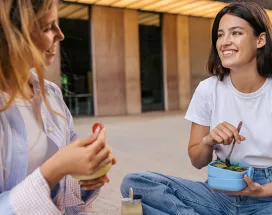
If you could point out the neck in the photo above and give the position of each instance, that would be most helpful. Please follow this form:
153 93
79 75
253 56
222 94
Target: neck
28 89
246 79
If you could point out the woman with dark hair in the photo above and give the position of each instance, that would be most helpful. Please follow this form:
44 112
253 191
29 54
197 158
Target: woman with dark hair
240 89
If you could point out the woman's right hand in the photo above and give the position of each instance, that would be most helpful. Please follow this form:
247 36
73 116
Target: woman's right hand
83 156
223 133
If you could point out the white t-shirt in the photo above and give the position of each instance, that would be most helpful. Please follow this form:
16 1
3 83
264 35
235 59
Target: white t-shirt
39 148
215 102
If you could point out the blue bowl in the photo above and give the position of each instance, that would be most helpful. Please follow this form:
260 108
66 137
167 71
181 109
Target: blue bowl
223 179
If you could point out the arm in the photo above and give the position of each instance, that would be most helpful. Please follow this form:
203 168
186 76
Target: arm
29 197
69 196
75 199
73 194
267 190
202 141
200 152
199 113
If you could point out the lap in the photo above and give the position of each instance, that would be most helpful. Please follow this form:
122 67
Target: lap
155 188
192 194
255 206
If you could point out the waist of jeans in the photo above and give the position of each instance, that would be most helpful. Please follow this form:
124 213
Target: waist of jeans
265 172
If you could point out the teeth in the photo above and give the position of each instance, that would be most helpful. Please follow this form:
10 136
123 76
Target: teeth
226 53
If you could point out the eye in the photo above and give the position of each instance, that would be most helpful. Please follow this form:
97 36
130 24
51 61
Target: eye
236 33
220 35
48 28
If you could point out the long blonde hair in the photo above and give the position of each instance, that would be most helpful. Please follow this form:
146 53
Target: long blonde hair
19 20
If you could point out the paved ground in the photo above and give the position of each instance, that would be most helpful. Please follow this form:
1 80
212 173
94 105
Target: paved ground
146 142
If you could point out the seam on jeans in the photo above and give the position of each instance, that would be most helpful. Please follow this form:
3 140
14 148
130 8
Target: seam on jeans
201 203
175 204
188 199
164 192
235 204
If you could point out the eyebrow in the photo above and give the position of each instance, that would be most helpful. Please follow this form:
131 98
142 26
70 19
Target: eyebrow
51 21
232 28
46 23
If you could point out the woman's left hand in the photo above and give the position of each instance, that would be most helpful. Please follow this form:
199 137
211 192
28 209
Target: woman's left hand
252 190
96 183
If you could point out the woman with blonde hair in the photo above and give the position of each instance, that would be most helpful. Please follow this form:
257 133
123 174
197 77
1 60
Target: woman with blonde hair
36 128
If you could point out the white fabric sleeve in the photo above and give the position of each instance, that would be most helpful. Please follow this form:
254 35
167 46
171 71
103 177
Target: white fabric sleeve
199 110
32 196
73 198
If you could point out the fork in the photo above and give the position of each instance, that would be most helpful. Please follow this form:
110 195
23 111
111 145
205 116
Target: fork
227 161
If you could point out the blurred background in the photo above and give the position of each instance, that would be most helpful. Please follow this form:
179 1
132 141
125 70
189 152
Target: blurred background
123 57
133 66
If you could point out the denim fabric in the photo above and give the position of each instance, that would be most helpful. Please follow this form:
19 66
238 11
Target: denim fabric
171 195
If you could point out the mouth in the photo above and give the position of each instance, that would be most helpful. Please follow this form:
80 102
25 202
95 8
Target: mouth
228 53
51 51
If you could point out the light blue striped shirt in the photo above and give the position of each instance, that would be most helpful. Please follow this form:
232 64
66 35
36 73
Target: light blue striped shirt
22 194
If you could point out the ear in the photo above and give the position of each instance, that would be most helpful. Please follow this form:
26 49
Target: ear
261 40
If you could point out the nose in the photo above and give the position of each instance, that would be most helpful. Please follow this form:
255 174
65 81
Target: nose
59 35
226 41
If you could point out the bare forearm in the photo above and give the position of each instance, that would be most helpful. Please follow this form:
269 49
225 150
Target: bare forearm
52 172
201 154
267 190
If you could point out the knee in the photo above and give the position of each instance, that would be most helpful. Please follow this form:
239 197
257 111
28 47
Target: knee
129 181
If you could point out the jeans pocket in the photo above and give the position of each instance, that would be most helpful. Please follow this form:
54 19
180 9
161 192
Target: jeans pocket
262 180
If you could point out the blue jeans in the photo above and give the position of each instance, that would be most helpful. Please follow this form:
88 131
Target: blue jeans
163 195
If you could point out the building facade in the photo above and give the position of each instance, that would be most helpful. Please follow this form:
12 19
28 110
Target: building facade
124 60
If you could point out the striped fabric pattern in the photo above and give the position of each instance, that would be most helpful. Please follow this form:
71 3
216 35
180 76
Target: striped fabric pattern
22 194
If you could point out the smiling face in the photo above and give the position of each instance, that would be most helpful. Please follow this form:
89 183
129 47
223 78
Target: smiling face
49 35
236 44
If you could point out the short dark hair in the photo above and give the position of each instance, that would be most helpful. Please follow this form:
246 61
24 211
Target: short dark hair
258 19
